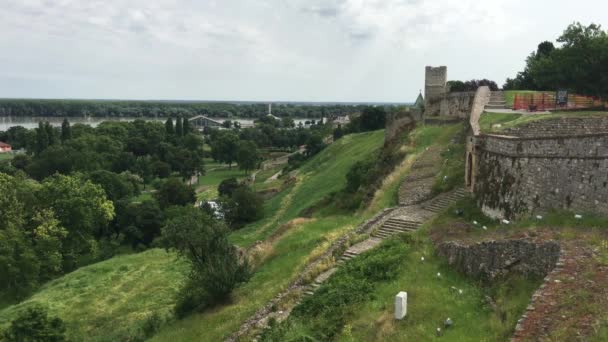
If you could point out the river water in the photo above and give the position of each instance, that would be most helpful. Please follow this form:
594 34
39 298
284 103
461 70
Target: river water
7 122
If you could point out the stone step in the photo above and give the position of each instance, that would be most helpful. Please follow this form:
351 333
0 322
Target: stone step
382 235
401 222
395 231
423 165
399 228
420 176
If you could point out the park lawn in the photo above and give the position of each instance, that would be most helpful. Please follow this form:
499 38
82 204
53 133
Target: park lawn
207 184
6 156
110 300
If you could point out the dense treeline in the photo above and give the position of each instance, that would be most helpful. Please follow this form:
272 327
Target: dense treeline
99 108
579 64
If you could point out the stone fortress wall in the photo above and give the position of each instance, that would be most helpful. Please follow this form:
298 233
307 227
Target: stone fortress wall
547 164
438 101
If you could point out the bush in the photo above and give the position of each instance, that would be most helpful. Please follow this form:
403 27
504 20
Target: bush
34 324
216 268
242 207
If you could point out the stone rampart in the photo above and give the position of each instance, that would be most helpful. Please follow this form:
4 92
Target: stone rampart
489 260
400 122
561 126
511 176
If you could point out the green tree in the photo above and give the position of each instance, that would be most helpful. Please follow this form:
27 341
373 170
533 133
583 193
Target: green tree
227 187
224 147
42 138
179 127
66 130
186 127
314 144
243 206
51 134
247 155
35 325
338 132
115 186
216 267
169 130
175 192
81 207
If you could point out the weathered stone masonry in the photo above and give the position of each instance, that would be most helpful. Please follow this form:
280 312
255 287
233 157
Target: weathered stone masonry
512 175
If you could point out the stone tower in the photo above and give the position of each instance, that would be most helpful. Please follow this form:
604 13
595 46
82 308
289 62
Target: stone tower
434 89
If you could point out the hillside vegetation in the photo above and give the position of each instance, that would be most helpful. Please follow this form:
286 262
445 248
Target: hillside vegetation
111 300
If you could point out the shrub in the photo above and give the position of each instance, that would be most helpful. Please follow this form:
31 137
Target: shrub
215 265
34 324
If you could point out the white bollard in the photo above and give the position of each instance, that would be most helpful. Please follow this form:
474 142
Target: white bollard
400 305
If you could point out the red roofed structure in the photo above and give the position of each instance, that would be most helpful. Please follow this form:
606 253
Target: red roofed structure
4 147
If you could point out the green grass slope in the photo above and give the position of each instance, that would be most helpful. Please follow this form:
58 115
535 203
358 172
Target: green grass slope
290 252
109 301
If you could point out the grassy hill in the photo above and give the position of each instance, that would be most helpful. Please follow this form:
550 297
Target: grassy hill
111 300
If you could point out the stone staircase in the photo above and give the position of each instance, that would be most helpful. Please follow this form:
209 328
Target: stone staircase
497 101
418 184
443 201
395 226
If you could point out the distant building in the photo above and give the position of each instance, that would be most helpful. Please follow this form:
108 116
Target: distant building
4 147
341 120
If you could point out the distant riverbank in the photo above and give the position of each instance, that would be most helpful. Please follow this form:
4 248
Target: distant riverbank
7 122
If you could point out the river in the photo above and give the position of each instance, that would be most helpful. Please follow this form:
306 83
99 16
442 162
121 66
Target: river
7 122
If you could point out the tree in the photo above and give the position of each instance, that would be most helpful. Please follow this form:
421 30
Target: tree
224 147
579 64
174 192
50 132
66 130
42 138
287 122
81 207
35 324
314 144
247 155
169 130
141 222
216 268
186 127
227 124
227 187
115 186
372 118
243 206
338 132
179 127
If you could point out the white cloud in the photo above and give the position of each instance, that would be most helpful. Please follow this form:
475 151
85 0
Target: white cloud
349 50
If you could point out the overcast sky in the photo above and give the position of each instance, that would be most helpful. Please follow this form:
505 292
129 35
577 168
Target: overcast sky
292 50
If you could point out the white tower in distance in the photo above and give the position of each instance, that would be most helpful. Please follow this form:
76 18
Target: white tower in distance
270 109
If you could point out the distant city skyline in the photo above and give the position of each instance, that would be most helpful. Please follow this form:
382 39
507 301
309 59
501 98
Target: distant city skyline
268 51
